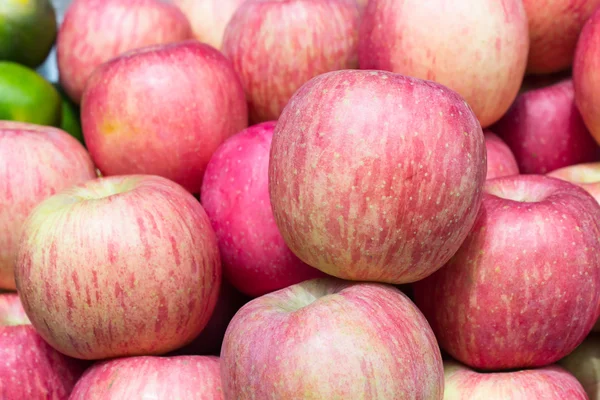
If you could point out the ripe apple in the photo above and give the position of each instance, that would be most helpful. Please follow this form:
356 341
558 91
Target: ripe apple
548 383
500 159
554 26
144 377
35 162
524 288
235 195
586 175
331 339
376 176
119 266
209 18
584 363
94 31
475 47
545 131
30 368
162 110
586 67
276 46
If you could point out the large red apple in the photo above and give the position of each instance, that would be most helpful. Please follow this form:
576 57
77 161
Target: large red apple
548 383
545 131
30 368
162 110
376 176
584 363
180 377
500 159
94 31
586 70
524 288
475 47
235 195
119 266
586 175
554 26
35 162
276 46
331 339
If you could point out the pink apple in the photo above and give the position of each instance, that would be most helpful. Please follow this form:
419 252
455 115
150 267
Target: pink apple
331 339
181 377
584 363
554 26
545 131
35 162
500 159
376 176
119 266
586 175
235 195
94 31
524 288
586 67
30 368
209 18
548 383
276 46
475 47
162 110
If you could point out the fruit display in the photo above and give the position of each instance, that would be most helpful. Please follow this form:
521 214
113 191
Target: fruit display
299 200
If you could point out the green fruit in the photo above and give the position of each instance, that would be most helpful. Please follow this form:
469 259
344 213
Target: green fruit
27 31
27 97
71 121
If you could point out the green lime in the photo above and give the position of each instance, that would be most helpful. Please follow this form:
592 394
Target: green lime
27 31
70 121
27 97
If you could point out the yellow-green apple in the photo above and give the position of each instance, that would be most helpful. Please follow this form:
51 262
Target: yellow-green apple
94 31
30 368
376 176
586 67
331 339
524 288
475 47
500 159
35 163
119 266
585 175
162 110
549 383
276 46
147 377
584 364
545 131
554 26
209 18
235 195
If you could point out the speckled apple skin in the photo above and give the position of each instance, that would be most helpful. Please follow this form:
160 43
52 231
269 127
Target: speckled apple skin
586 176
500 159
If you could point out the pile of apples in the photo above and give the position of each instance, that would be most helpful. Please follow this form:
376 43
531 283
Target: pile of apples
309 199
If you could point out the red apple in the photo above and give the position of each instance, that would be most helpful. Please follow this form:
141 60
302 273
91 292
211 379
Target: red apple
500 159
235 195
35 162
30 368
162 110
276 46
548 383
330 339
181 377
524 288
119 266
554 26
475 47
585 175
209 18
94 31
584 363
586 67
376 176
545 131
